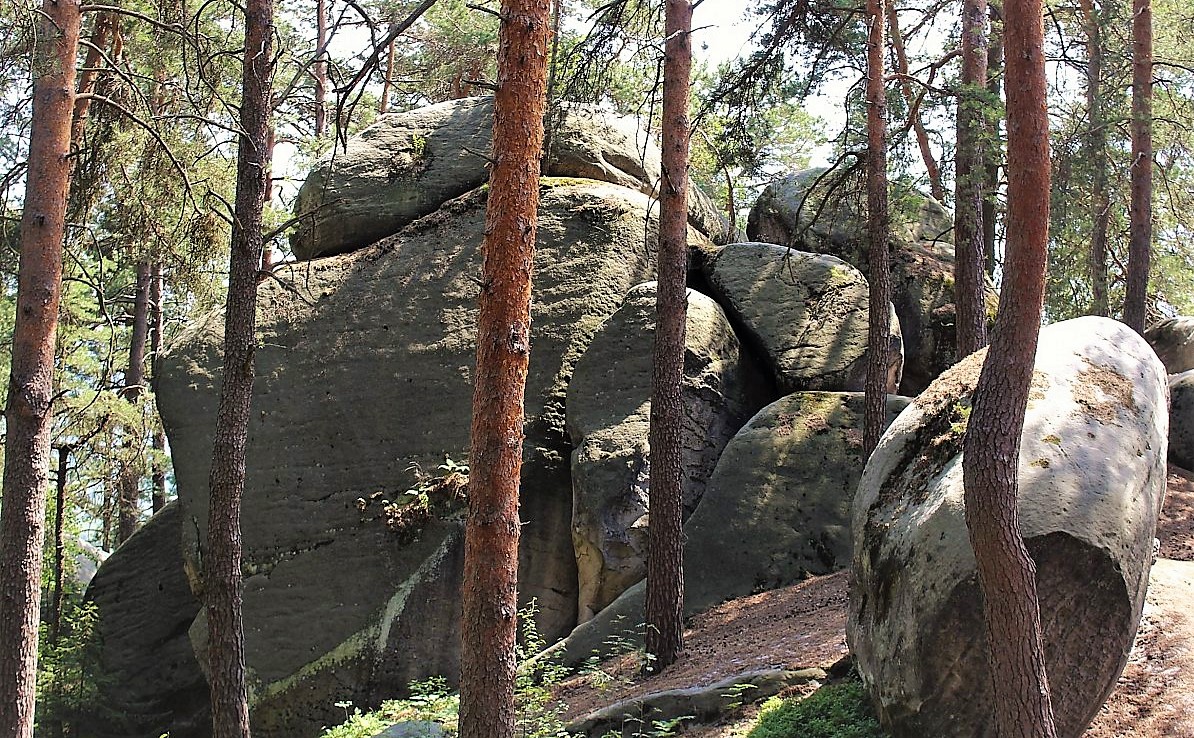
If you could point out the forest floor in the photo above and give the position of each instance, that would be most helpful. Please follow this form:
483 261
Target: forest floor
803 626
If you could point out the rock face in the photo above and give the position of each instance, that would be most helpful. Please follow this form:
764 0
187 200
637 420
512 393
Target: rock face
1181 419
825 217
144 602
1173 340
363 369
806 312
1092 477
406 165
609 410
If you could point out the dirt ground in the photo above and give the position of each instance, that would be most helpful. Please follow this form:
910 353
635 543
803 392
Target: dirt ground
804 626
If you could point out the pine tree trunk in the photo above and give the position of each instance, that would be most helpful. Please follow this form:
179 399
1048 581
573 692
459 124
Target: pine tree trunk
101 32
910 98
28 411
387 84
1141 226
665 550
134 382
158 472
991 152
59 543
321 67
222 560
968 206
489 590
991 449
878 227
1100 206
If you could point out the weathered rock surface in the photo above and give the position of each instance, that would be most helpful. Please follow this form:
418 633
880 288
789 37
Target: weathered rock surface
364 367
609 409
776 510
150 680
1092 478
406 165
1173 340
922 256
1181 419
807 313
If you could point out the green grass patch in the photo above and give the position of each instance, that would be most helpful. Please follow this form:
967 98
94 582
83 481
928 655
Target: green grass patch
838 710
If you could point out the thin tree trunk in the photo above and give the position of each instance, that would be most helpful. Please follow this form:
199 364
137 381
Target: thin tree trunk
991 152
158 470
878 227
1006 573
665 550
1141 226
388 83
130 479
59 544
28 411
489 591
910 97
968 206
321 67
222 578
1100 205
101 33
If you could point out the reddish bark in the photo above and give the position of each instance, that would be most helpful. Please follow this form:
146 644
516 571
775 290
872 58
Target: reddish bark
320 70
222 579
878 233
1006 573
665 548
1141 226
101 33
489 590
969 191
1100 205
991 153
28 411
918 127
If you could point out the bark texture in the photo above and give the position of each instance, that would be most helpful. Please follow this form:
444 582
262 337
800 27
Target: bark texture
222 580
970 180
489 590
1006 572
1096 141
665 549
320 69
1141 227
992 154
878 227
28 411
134 383
913 100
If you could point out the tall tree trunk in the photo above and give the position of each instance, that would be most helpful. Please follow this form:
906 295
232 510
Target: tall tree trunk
158 469
103 28
1007 575
321 67
665 549
968 206
28 411
910 97
387 83
222 578
489 590
991 152
56 596
1141 226
134 382
1100 206
878 227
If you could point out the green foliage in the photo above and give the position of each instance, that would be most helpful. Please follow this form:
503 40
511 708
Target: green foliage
836 710
67 686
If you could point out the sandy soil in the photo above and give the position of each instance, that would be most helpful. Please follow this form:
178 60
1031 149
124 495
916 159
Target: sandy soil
804 626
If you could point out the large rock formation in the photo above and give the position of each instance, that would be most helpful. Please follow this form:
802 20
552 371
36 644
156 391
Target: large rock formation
406 165
1173 340
807 313
808 212
1092 478
144 605
1181 419
363 369
609 409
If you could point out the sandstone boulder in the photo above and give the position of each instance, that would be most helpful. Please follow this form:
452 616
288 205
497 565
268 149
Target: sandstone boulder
609 408
809 212
1091 480
364 366
406 165
149 680
1181 419
1173 340
806 313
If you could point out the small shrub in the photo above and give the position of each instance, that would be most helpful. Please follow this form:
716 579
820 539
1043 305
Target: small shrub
836 710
